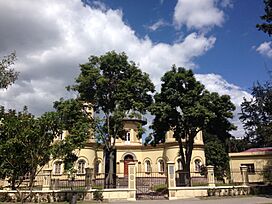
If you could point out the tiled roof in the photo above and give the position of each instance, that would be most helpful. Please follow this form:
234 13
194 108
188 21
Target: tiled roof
264 149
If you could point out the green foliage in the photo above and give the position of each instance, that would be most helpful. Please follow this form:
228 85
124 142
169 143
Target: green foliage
186 108
98 195
239 145
28 143
267 17
116 88
216 155
7 75
160 188
78 124
256 116
24 142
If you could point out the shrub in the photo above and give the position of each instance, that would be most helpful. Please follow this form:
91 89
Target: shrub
159 188
98 195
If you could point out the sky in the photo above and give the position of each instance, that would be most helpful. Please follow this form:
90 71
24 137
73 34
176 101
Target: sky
217 39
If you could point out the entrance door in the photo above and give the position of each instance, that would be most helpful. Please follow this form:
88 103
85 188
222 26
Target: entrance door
127 159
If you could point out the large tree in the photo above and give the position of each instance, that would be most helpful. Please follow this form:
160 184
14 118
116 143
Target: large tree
186 108
7 74
216 155
27 143
116 88
267 17
256 115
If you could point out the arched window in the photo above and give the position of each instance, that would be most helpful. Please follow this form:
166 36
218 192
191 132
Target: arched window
179 164
97 167
127 137
81 166
197 165
161 165
57 167
147 166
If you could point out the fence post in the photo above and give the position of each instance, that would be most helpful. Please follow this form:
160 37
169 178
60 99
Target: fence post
210 175
244 175
7 185
46 179
132 181
88 177
171 180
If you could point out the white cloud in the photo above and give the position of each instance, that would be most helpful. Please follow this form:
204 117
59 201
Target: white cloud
155 26
198 14
52 38
226 3
265 49
216 83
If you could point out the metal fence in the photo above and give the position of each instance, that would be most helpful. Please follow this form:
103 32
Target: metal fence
144 179
151 185
119 181
66 182
190 179
257 176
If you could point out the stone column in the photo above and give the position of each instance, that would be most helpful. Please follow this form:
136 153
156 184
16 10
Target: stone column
46 180
210 176
132 181
171 180
244 175
6 184
88 178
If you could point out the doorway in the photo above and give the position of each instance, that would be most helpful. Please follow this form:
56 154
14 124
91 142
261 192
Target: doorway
128 158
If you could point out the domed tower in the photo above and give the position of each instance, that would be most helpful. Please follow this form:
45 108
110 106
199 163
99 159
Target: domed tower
132 127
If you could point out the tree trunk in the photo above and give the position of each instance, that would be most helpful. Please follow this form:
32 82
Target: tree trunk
110 168
13 181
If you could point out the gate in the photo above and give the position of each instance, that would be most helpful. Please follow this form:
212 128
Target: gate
151 186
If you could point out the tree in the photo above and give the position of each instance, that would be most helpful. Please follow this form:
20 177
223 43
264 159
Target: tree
28 143
186 108
7 75
239 144
216 155
116 89
267 17
256 115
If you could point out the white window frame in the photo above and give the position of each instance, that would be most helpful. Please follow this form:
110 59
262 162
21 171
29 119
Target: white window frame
81 164
98 167
198 164
179 163
148 166
58 167
128 137
161 165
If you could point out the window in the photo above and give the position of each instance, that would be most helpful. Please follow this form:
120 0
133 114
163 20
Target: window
161 165
250 168
57 167
147 166
97 167
81 167
197 165
59 137
128 137
179 165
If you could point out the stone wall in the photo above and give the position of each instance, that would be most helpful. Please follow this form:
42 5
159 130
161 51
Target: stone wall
61 196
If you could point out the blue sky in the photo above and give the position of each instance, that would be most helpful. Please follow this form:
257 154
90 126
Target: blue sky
215 38
233 55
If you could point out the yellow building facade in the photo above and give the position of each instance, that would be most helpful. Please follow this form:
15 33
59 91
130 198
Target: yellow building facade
147 158
258 162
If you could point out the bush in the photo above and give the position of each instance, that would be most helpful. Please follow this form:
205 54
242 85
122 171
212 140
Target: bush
98 195
159 188
4 197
